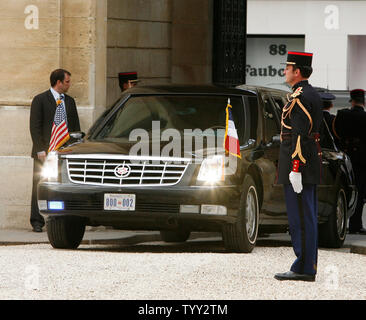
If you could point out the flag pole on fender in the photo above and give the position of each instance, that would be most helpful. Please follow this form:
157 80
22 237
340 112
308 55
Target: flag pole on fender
231 141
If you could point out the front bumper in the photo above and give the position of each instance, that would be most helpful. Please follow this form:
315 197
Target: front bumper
156 208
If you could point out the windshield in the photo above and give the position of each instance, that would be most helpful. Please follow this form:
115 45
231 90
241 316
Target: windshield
186 114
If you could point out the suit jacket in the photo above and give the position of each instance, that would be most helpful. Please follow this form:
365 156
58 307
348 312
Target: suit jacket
300 125
349 127
42 113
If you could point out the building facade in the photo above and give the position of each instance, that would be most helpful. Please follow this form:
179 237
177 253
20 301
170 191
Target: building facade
335 31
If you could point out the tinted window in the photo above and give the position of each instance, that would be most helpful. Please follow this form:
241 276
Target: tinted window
253 110
272 125
178 112
326 139
279 104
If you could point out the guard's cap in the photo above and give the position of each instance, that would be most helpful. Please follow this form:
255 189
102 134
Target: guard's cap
123 77
327 99
300 59
357 95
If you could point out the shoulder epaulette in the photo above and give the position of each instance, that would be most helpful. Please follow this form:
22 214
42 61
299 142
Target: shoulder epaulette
297 92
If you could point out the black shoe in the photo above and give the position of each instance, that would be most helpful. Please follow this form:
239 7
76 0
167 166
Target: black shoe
289 275
37 229
360 231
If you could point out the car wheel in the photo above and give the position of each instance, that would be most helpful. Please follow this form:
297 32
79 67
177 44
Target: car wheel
242 235
65 232
333 232
179 235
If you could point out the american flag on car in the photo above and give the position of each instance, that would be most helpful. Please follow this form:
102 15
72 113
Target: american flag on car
60 132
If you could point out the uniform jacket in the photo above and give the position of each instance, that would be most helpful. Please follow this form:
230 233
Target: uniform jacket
349 126
42 113
300 125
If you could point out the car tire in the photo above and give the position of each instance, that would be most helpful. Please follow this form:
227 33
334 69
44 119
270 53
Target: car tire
179 235
333 232
242 236
65 232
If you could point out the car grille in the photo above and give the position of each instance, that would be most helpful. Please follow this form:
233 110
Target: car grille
125 171
97 205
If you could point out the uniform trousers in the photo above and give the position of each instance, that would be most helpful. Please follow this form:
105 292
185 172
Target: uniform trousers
302 213
36 219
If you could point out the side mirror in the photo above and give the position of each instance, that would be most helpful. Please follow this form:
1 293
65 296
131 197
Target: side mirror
275 141
77 135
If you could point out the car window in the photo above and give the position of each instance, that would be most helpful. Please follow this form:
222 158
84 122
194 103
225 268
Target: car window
279 103
326 138
180 112
253 114
271 120
101 117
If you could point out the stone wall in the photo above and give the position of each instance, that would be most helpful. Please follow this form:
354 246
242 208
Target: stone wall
36 38
29 48
163 40
192 31
138 39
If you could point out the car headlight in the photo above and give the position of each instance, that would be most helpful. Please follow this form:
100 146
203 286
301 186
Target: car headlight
212 169
50 167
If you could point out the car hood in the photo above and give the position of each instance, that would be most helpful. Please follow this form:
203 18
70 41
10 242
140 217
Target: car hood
113 148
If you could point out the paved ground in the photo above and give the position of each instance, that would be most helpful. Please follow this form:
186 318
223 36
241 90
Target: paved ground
199 269
102 235
131 265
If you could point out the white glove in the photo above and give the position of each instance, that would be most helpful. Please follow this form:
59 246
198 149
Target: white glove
295 179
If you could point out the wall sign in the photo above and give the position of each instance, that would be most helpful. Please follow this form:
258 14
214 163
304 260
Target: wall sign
264 58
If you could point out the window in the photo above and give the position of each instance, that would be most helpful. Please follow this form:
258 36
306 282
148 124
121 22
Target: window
279 103
180 112
271 119
253 116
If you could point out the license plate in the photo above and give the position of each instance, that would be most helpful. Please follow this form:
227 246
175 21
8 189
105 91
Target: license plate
116 201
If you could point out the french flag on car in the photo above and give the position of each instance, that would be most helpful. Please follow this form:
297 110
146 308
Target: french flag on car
231 141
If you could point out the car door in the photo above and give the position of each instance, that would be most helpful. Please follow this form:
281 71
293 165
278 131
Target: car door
273 204
331 164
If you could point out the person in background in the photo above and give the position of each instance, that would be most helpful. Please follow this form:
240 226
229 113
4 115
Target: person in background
127 80
349 126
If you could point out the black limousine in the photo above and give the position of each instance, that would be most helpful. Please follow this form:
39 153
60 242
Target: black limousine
154 161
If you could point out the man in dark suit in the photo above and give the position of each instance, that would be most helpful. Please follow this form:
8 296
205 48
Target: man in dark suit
349 126
42 114
299 165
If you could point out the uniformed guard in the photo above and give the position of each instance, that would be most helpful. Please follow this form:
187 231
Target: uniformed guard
326 126
127 80
349 126
299 168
